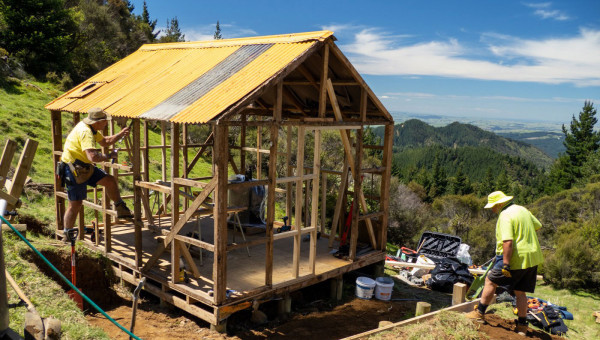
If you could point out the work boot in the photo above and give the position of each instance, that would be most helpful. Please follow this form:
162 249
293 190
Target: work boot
476 315
521 329
122 210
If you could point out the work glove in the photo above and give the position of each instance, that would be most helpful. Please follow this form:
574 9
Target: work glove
506 270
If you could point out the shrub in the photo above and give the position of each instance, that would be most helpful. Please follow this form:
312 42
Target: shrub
574 264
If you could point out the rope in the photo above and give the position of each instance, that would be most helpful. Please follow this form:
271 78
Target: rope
69 282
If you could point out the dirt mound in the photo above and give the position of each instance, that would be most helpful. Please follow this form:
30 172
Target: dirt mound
94 276
35 226
499 328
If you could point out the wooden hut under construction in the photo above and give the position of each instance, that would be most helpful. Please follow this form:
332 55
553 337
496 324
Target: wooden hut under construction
290 112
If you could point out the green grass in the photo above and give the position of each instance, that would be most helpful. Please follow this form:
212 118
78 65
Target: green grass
47 295
446 325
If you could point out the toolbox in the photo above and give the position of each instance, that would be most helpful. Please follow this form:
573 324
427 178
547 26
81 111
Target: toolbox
437 245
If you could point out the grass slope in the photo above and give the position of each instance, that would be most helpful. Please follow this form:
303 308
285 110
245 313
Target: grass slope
22 116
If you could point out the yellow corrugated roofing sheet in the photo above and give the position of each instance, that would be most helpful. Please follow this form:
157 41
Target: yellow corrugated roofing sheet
190 82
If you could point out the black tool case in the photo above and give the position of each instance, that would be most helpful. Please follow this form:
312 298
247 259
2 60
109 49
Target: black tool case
437 245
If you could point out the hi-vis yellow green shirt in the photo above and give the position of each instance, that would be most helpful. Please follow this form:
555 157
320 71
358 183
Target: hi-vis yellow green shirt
80 139
516 223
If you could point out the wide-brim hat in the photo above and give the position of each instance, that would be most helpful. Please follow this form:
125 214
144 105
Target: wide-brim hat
497 197
95 115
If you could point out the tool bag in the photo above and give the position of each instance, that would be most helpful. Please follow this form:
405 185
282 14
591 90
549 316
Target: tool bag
81 171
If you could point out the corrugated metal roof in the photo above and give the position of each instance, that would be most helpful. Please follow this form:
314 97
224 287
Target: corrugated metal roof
190 82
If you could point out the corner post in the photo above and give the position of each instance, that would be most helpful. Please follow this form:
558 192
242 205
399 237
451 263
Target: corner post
59 202
221 155
137 192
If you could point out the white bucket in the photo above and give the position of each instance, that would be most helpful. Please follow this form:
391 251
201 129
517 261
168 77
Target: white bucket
365 287
383 290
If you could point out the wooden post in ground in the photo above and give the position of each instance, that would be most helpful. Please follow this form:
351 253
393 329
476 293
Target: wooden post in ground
459 293
422 308
337 288
221 155
81 214
163 153
107 219
284 306
314 209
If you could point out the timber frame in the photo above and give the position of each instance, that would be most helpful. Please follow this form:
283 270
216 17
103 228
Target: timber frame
287 118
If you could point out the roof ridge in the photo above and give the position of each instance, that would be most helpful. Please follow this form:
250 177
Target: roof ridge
269 39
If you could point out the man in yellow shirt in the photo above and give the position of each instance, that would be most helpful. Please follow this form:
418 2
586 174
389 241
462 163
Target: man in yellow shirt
518 254
79 154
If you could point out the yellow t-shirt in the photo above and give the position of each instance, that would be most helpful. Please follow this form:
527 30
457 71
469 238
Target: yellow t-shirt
518 224
80 139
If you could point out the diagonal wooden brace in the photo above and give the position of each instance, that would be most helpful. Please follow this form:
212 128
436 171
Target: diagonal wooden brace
177 227
347 148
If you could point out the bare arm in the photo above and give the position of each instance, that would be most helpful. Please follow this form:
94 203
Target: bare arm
507 250
110 140
96 156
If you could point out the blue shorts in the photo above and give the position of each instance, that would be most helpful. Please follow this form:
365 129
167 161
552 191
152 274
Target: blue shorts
78 192
521 279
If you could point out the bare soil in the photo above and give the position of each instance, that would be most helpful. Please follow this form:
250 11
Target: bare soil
313 314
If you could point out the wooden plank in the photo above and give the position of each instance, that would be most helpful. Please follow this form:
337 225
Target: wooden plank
323 201
272 184
22 170
195 242
175 245
175 229
388 141
59 203
297 225
154 186
243 143
163 153
314 210
463 308
347 149
289 172
371 216
188 259
220 216
190 182
7 156
323 85
303 178
137 191
338 205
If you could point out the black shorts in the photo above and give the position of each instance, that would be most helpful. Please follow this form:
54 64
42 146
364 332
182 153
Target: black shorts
522 279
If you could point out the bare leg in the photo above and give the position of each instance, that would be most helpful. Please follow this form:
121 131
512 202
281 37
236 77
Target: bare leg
112 189
521 303
488 292
71 213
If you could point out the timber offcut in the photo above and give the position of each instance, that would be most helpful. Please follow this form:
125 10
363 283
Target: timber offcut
280 120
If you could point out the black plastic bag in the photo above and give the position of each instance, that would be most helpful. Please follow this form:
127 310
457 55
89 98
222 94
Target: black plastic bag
447 272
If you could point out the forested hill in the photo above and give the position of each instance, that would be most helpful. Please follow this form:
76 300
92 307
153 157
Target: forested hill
416 134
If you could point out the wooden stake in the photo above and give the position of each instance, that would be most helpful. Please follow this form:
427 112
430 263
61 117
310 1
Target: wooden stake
459 293
137 192
422 308
220 214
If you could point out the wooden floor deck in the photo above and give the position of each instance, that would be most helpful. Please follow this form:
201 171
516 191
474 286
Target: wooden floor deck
245 274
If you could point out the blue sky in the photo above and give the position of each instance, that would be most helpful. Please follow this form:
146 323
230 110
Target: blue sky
497 59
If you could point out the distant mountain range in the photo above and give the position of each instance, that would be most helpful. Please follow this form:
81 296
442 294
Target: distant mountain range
415 133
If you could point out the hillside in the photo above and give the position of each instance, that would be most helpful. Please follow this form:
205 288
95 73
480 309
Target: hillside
417 134
549 142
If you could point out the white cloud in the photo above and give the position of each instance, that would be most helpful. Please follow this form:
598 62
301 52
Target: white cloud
430 96
544 11
573 59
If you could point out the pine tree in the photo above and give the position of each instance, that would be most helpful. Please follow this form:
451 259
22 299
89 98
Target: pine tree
149 30
581 140
218 35
487 185
503 182
172 33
